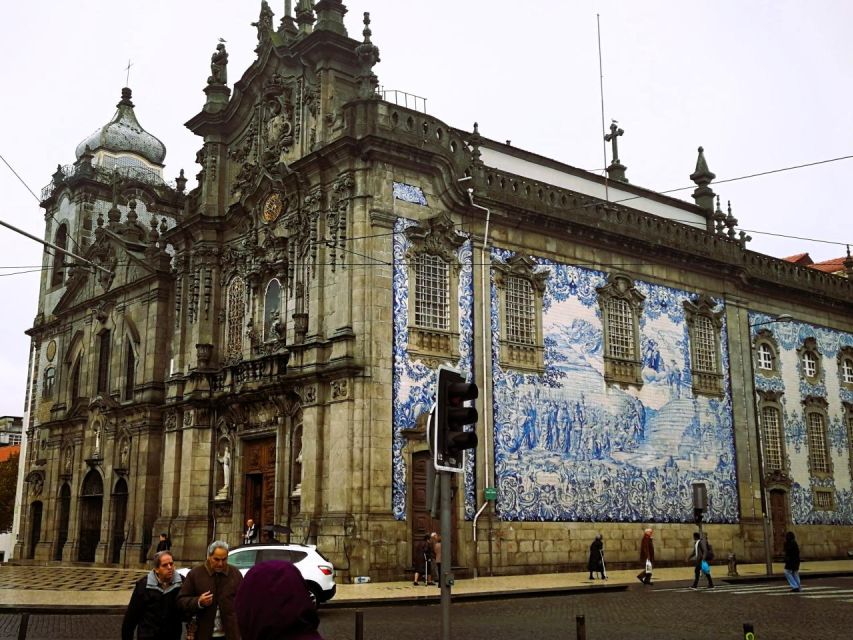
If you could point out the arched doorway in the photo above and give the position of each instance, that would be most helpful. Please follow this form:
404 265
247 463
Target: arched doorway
120 515
36 509
62 521
91 505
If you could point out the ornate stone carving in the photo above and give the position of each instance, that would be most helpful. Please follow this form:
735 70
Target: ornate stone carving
219 66
340 389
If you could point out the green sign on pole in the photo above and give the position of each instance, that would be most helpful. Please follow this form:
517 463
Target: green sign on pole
491 493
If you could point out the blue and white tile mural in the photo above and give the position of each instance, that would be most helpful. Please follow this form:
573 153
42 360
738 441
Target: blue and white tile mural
414 382
794 389
569 447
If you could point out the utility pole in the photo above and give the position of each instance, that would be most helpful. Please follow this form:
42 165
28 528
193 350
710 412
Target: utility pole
446 576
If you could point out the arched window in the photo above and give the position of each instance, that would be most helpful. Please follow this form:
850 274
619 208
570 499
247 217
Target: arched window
272 310
75 379
57 276
520 284
704 325
766 357
104 345
816 436
809 364
621 306
620 327
771 426
432 284
845 367
235 319
810 361
129 372
49 381
847 370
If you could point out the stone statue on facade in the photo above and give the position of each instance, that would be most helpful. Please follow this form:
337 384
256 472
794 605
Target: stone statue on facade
225 461
219 66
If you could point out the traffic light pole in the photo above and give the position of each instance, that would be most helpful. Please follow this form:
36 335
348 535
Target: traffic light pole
446 577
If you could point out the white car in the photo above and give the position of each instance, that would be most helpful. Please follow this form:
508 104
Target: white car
318 572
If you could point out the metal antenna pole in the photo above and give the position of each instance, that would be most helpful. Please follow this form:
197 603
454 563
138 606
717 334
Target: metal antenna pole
601 92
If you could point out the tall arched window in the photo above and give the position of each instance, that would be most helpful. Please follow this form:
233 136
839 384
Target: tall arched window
235 319
766 357
129 372
771 426
272 309
621 307
432 285
75 379
57 276
104 345
818 452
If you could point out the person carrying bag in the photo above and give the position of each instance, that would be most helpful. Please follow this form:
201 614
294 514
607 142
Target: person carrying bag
702 553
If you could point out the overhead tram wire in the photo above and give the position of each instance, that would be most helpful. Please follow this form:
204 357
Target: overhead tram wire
27 187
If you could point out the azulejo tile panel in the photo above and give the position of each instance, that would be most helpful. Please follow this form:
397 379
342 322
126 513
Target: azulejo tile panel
570 447
414 382
794 390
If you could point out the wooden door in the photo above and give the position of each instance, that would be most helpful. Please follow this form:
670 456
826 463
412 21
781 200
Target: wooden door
259 482
779 519
62 521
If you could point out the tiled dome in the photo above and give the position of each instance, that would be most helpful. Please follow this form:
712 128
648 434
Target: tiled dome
124 134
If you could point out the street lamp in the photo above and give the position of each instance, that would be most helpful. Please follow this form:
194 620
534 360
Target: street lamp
765 516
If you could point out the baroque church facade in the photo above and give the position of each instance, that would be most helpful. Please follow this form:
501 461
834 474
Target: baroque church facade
265 345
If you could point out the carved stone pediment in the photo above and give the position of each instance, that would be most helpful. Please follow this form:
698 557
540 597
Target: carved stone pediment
435 236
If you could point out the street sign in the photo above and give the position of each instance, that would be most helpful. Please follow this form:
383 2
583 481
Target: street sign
491 493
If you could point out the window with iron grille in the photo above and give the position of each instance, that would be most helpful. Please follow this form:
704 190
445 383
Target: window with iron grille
620 328
520 312
816 432
771 427
765 357
104 362
823 500
847 370
705 347
234 317
809 364
431 292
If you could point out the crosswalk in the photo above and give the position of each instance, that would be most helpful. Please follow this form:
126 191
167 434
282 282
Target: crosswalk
815 592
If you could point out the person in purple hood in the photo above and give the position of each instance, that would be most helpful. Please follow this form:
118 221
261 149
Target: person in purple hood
273 604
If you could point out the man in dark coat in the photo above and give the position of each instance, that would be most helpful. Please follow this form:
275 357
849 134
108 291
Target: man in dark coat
647 557
700 555
792 561
153 610
596 558
208 593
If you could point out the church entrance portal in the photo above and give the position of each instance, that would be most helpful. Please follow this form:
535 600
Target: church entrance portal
421 521
120 511
35 527
91 505
259 482
779 518
62 521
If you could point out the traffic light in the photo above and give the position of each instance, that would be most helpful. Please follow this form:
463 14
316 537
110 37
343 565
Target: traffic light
451 416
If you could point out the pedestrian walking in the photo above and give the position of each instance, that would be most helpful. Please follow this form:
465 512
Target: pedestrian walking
273 603
792 561
153 611
436 553
425 559
596 558
647 557
165 543
700 558
208 593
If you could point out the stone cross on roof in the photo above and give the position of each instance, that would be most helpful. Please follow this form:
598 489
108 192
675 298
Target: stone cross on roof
615 132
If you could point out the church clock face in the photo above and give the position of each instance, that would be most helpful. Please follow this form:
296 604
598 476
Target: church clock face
273 207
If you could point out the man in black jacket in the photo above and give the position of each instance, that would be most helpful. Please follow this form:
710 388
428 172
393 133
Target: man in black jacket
153 610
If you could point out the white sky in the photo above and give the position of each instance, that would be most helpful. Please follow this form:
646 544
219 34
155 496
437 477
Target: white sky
761 85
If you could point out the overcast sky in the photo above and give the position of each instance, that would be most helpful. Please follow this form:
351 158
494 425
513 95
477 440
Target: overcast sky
761 85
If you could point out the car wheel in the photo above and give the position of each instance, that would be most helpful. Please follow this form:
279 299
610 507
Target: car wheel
314 594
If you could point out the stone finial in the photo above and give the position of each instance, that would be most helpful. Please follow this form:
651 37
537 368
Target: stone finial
702 176
848 264
288 24
58 175
475 142
181 182
719 218
330 16
616 170
731 222
368 56
125 101
305 16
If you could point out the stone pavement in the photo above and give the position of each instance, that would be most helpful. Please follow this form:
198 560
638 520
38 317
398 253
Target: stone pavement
70 588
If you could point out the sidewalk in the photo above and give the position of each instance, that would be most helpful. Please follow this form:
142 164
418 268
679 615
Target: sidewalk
71 588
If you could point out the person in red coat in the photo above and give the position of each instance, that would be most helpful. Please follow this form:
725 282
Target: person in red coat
647 557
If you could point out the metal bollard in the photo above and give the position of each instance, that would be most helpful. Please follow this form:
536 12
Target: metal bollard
733 565
22 628
748 631
581 626
359 624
